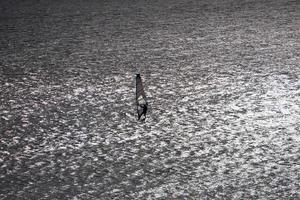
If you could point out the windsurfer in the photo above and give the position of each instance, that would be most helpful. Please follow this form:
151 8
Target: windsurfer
144 109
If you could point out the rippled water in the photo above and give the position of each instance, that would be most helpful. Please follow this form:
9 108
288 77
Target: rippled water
222 80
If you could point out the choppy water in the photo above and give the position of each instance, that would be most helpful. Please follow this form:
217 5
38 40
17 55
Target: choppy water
222 78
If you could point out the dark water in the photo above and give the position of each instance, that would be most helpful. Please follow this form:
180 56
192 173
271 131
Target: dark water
222 79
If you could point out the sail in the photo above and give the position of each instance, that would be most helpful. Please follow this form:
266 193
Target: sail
140 93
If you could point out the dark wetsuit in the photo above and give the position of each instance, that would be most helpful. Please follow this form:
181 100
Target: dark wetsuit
144 111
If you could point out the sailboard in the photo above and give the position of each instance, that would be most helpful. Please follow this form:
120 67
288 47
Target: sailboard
141 99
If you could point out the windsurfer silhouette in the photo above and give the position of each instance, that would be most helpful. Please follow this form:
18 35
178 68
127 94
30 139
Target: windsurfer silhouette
144 108
141 101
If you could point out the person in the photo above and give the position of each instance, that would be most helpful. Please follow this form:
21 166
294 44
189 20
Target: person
144 108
